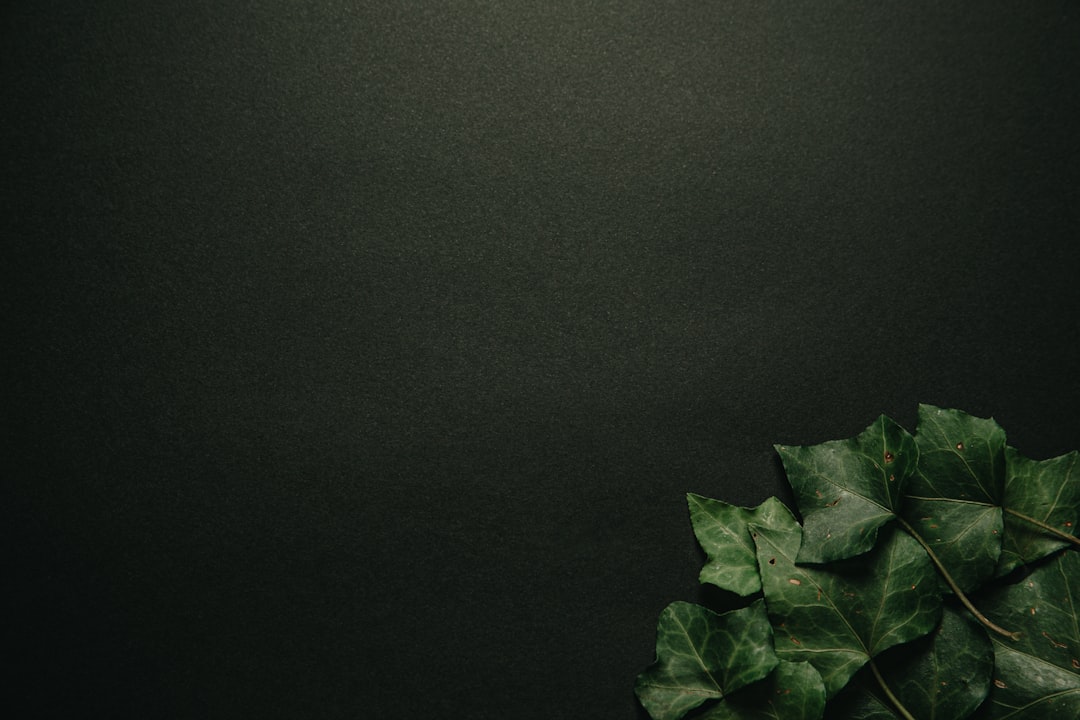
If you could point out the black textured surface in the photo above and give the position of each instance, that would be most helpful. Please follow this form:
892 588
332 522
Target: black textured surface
364 351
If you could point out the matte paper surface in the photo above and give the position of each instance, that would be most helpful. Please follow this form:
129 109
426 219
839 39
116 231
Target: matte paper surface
363 352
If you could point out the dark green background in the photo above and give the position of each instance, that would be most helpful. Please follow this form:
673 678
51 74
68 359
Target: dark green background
364 351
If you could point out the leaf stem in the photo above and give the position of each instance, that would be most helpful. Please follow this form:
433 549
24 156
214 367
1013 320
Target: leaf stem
889 693
1048 528
954 587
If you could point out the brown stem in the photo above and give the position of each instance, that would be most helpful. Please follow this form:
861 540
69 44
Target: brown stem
1048 528
889 693
956 588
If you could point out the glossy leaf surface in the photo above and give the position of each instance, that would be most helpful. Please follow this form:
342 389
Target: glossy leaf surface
703 656
855 616
847 489
793 691
723 532
944 675
1038 676
954 499
1047 491
838 619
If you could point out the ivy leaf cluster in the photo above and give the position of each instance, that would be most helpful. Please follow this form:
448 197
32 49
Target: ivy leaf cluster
931 576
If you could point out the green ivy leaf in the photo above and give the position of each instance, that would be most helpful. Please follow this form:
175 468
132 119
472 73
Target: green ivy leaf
944 675
1038 676
960 456
1047 491
953 501
837 620
793 691
702 656
847 489
724 534
852 613
859 703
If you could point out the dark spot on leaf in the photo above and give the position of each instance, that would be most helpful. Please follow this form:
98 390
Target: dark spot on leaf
1053 642
889 457
833 503
772 561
